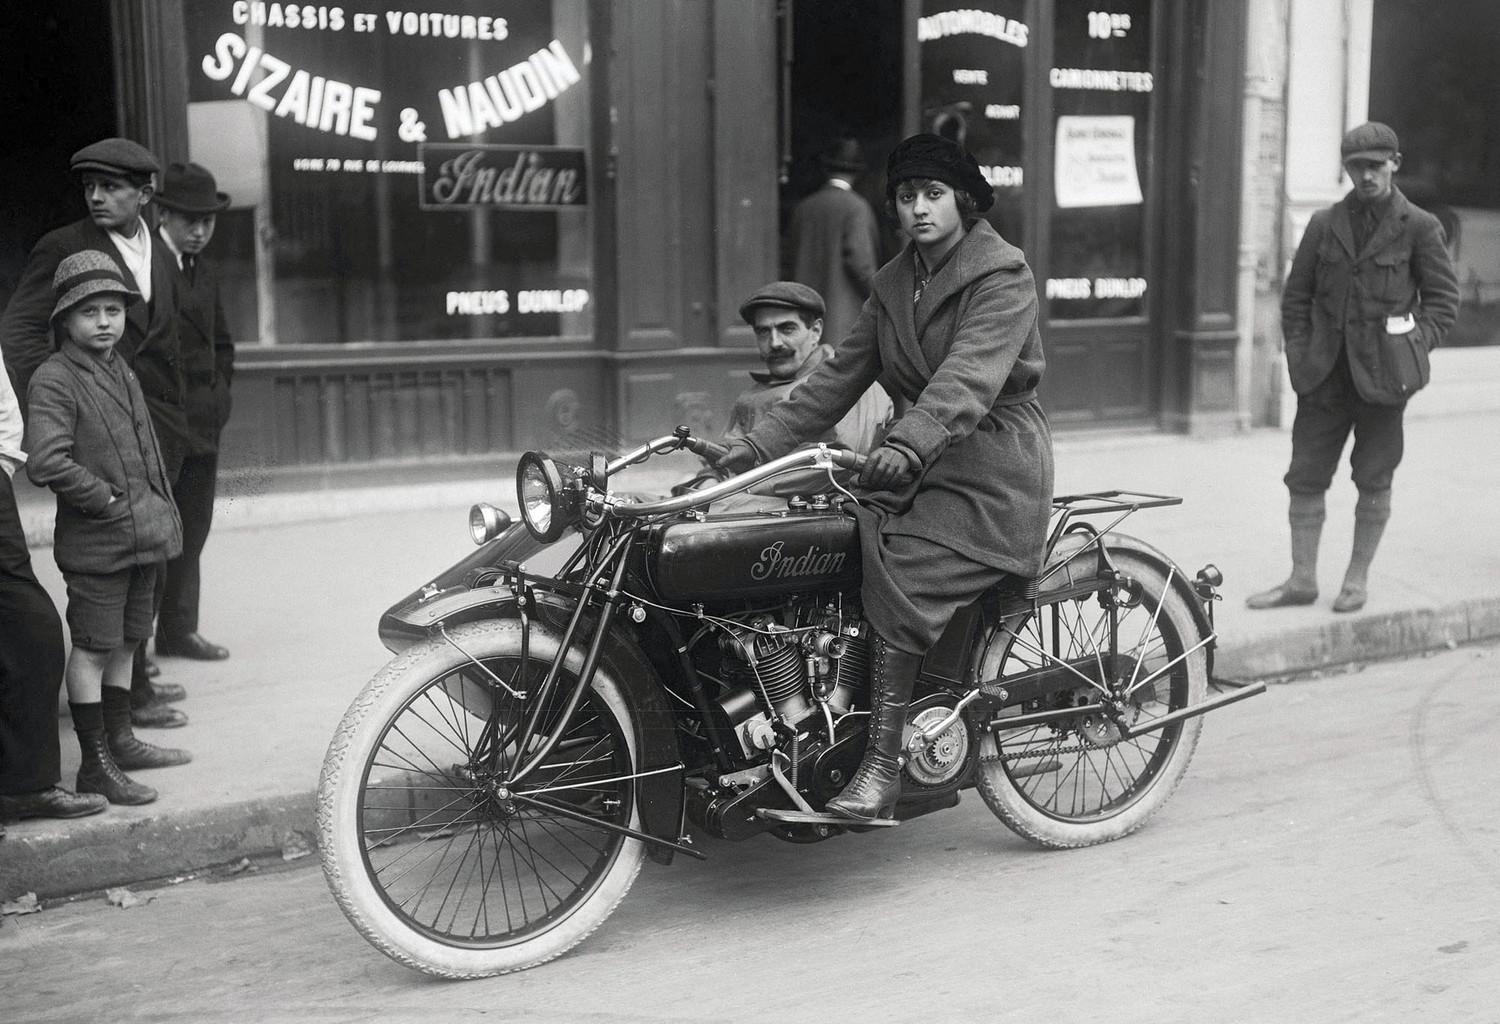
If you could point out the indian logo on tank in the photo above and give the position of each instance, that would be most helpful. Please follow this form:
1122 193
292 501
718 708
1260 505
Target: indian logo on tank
776 563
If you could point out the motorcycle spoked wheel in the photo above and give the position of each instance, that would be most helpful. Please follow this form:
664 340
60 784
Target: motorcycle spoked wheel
422 852
1078 782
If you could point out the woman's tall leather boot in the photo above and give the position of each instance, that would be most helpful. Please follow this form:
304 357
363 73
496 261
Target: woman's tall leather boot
98 773
129 752
876 786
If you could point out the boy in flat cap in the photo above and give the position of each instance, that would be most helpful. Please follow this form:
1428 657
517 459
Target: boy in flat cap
117 179
91 441
1371 292
190 203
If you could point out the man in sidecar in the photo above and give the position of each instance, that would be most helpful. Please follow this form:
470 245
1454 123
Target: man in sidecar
787 318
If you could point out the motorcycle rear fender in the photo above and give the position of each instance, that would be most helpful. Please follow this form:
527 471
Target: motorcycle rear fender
949 656
660 796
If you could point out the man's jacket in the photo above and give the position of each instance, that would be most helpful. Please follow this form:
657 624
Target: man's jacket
1338 298
207 356
149 345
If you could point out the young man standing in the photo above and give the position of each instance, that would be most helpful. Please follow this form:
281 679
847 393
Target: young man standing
190 202
1371 292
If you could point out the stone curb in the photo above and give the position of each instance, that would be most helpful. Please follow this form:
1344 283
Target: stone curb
91 854
114 849
1367 638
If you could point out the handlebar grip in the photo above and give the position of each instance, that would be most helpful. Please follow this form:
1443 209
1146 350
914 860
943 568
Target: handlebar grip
699 446
848 459
707 449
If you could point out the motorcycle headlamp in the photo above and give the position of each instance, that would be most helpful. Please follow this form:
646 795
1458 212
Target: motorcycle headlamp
486 522
549 503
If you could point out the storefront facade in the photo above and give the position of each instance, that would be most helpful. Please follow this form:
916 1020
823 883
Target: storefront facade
462 231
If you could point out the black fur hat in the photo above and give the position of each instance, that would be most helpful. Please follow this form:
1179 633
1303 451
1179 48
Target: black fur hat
940 159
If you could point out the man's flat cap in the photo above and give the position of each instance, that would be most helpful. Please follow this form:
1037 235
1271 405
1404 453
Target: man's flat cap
115 156
1369 141
787 295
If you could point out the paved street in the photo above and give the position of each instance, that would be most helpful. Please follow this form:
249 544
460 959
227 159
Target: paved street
1333 855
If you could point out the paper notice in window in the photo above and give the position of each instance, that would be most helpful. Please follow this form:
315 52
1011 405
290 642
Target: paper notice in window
1095 163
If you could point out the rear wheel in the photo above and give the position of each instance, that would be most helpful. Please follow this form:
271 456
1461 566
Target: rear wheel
1076 779
435 856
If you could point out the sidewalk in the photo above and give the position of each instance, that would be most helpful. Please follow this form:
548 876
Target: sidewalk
293 585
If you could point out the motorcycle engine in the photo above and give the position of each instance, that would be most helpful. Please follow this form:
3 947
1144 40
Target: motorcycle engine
772 671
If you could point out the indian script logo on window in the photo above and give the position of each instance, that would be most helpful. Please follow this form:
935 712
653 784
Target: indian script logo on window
459 177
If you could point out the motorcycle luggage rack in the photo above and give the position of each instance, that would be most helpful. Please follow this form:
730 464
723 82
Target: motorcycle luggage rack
1070 507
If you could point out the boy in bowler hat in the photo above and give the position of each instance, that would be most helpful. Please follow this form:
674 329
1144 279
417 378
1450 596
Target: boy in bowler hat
189 203
91 441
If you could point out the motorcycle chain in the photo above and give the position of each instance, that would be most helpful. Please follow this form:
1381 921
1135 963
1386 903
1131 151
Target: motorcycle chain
1079 748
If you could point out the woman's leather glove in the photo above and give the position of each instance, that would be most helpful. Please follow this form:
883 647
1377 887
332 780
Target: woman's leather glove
886 468
740 456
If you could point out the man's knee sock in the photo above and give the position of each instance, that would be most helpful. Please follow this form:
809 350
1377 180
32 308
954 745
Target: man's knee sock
1371 512
1306 514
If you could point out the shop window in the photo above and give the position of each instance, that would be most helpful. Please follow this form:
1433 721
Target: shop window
973 68
399 175
1102 85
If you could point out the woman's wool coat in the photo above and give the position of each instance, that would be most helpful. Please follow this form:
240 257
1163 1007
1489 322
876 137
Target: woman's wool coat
965 361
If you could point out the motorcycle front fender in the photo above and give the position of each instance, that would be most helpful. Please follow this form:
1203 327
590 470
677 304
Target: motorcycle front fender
448 595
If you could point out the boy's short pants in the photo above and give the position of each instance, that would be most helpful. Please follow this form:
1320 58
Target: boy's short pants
105 610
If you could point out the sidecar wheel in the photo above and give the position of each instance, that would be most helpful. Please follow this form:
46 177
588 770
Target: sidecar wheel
1076 781
429 854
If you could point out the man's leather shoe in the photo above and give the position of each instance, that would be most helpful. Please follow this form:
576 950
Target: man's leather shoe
1351 598
1283 596
157 716
131 753
192 645
152 668
157 693
55 802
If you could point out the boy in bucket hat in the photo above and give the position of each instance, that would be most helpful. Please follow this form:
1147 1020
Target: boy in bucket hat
189 203
91 441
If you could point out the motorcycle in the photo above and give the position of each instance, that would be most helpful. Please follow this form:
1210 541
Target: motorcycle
611 672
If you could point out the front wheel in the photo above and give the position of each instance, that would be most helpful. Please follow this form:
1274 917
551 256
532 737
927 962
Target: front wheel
433 854
1070 776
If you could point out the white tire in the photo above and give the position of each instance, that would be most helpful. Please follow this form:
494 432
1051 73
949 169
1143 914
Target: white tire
407 824
1076 781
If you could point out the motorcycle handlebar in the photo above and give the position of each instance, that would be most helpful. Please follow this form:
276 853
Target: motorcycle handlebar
799 459
713 452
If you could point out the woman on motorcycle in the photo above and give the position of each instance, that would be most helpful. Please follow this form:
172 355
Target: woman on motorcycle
961 488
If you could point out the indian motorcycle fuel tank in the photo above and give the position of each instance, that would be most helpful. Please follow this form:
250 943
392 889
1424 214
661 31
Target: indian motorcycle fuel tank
727 557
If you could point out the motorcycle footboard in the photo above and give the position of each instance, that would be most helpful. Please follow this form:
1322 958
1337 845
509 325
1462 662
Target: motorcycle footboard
818 818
